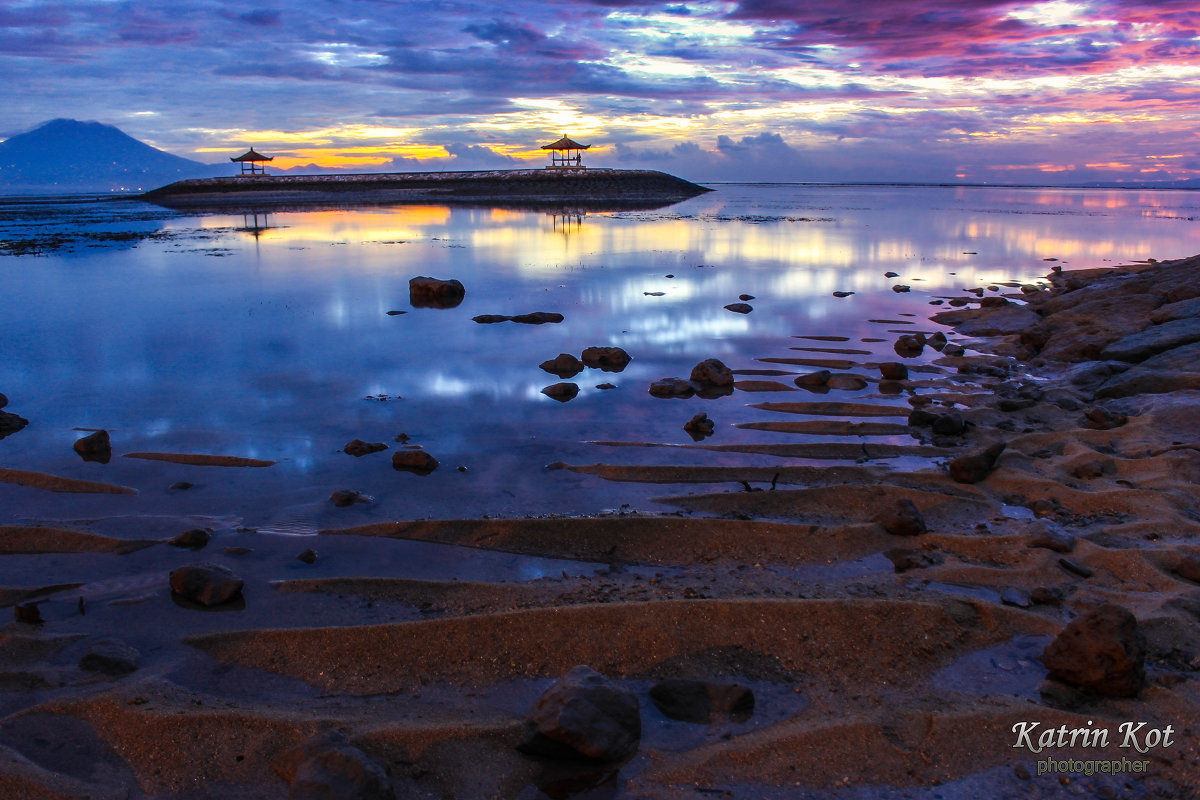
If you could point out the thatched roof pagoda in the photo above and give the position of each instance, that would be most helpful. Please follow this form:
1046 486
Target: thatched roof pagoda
560 154
252 162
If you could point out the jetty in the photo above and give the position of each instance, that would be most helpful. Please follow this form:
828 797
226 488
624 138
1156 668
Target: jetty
580 187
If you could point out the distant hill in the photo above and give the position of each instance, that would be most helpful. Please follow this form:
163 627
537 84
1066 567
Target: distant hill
69 156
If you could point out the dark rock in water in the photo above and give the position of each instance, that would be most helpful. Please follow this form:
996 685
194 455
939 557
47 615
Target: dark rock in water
745 297
606 386
950 424
358 448
842 294
846 382
937 341
308 556
672 387
562 392
1189 567
951 349
94 447
11 423
195 539
740 308
348 497
904 559
564 365
890 387
977 466
958 302
328 767
608 359
712 372
818 378
922 418
110 657
1102 652
426 292
489 319
1050 536
891 274
1101 419
903 519
584 716
417 461
206 584
702 701
699 427
396 313
29 613
893 371
900 288
538 318
993 302
910 345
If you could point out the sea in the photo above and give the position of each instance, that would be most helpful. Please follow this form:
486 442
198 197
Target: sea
283 335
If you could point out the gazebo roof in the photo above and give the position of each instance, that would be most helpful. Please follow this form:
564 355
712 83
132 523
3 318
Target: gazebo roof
250 155
566 144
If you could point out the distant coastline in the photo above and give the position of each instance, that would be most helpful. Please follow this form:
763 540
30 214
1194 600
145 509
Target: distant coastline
617 188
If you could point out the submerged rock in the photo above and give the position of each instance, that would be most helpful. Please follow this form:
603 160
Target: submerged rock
425 292
584 716
110 657
95 446
359 448
702 701
416 461
1102 652
608 359
195 539
206 584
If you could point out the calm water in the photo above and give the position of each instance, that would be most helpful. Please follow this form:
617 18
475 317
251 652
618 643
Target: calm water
270 338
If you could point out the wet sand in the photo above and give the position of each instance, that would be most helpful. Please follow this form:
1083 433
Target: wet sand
882 665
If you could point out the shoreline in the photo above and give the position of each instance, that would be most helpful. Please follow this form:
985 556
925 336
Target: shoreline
879 661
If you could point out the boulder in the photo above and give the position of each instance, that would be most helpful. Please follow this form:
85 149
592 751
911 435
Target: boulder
206 584
608 359
424 292
584 716
359 448
96 446
1102 652
903 519
909 345
949 424
329 767
699 427
562 392
672 387
702 701
712 372
110 657
975 467
417 461
564 365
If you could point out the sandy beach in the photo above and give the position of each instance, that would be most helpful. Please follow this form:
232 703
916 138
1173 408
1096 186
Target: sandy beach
891 623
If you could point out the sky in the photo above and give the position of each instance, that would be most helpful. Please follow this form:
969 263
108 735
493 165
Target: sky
975 91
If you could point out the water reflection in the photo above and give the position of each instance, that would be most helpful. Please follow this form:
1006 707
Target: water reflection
264 333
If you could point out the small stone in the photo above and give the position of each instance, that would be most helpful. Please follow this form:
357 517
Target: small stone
359 448
308 556
953 350
110 657
842 294
606 386
745 297
206 584
1052 537
416 461
894 371
328 767
562 392
909 345
739 308
396 313
564 365
890 274
195 539
95 447
699 427
403 438
900 288
937 341
586 716
1102 652
903 519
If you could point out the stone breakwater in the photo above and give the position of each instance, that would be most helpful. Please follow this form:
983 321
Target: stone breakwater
538 187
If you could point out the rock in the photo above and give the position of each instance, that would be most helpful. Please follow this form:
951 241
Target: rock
206 584
490 319
3 400
195 539
1189 567
958 302
909 345
745 297
901 288
564 365
1074 567
672 387
977 466
893 371
1099 418
993 302
1007 320
890 387
11 423
1088 470
953 350
180 486
1168 313
586 716
358 448
29 613
562 392
95 446
538 318
608 359
347 497
937 341
739 308
1050 536
950 424
606 386
308 556
328 767
1102 652
846 382
424 292
110 657
1047 596
891 274
1155 339
922 418
842 294
417 461
712 372
396 313
818 378
1016 597
903 519
699 427
702 701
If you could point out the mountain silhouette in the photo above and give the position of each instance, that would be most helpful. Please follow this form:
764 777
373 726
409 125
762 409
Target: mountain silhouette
68 156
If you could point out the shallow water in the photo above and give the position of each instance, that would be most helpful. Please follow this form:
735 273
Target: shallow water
268 337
